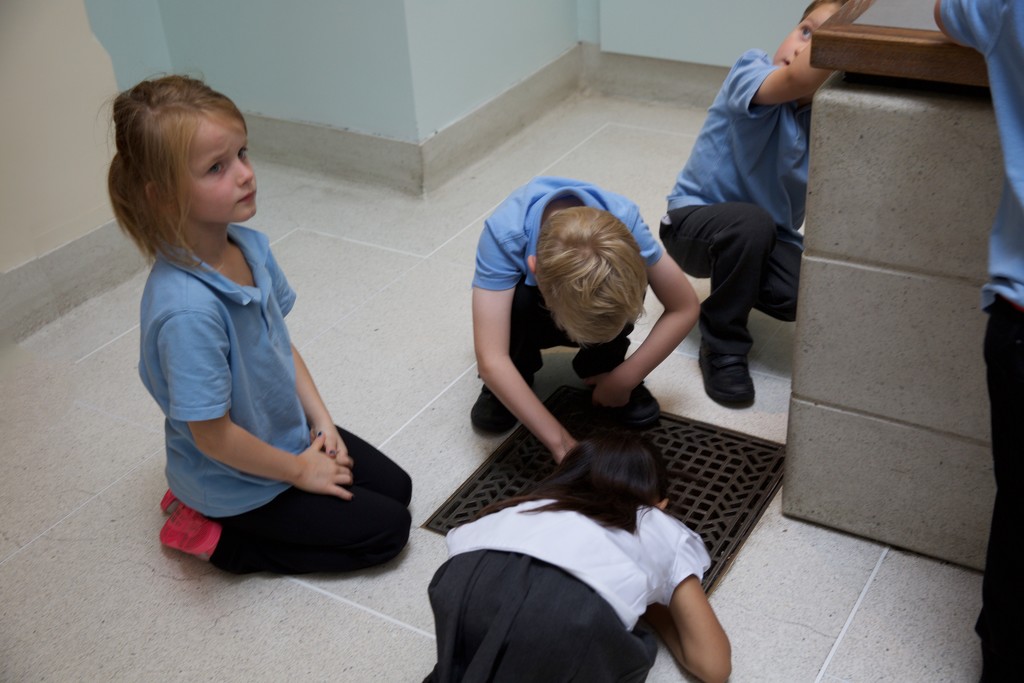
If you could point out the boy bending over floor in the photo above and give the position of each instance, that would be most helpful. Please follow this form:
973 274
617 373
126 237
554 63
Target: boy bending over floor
562 262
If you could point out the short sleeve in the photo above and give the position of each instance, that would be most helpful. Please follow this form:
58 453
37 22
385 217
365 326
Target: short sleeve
497 267
975 23
193 350
691 558
650 249
745 80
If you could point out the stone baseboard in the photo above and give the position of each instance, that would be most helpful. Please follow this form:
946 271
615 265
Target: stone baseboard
41 290
44 289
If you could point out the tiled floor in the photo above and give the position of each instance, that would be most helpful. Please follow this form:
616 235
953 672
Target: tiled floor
383 320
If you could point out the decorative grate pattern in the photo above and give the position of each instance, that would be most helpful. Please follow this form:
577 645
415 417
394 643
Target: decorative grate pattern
722 481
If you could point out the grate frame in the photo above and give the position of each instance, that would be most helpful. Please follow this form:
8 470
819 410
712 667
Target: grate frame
721 481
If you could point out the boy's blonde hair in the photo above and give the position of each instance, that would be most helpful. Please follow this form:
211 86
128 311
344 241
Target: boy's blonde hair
148 181
818 3
590 273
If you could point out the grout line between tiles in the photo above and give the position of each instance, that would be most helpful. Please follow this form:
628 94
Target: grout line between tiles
364 608
113 416
648 129
429 403
476 221
284 236
363 243
364 304
108 343
130 471
853 614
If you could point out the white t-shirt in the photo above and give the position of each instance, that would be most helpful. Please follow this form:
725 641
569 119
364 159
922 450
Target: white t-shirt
630 571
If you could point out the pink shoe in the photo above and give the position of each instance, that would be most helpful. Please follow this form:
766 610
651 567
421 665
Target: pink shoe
169 502
188 531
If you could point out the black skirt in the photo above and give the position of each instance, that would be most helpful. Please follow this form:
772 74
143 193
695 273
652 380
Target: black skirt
510 618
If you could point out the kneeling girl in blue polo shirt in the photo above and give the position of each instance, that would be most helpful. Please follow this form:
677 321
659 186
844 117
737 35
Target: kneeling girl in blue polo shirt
260 477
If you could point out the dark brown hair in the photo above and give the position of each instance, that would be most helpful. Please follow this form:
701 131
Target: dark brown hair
605 478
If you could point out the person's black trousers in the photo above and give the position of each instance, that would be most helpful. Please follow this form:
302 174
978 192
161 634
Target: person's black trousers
1001 622
510 618
300 532
533 329
736 245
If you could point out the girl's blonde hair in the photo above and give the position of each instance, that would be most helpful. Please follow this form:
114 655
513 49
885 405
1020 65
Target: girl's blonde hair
590 273
148 181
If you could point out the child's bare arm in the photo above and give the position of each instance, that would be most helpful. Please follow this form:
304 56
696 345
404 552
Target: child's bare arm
312 470
317 415
690 629
797 81
673 289
492 328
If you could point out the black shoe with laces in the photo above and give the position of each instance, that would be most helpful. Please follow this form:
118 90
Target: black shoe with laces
726 378
490 415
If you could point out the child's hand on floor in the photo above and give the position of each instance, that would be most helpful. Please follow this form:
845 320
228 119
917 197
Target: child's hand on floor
608 391
322 473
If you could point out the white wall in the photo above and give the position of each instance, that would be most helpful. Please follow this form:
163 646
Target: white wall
56 80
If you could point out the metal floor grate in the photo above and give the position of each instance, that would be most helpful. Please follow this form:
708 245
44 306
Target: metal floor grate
728 478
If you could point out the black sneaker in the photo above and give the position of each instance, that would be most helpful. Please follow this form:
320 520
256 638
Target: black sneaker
726 378
490 415
641 412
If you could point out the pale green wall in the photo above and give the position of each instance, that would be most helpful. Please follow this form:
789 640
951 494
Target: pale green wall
339 63
466 52
712 32
587 21
405 69
132 32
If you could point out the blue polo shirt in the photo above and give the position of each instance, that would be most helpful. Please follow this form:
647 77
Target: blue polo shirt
750 153
210 346
510 234
996 29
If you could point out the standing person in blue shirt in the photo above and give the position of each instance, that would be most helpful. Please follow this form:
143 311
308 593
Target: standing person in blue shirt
737 205
996 29
260 477
562 262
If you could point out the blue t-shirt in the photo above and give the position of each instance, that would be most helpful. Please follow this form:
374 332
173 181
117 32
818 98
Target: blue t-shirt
750 153
996 29
510 234
210 346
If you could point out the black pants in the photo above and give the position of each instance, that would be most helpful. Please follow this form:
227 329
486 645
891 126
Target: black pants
736 245
999 624
533 329
300 532
509 618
